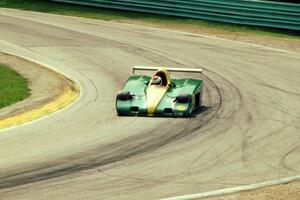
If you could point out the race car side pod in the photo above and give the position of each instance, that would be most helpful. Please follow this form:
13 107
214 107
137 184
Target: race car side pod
148 68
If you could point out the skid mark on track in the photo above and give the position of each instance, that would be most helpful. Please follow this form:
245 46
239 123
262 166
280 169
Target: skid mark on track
104 155
284 158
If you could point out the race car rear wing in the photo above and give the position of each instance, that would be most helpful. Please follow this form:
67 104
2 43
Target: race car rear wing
147 68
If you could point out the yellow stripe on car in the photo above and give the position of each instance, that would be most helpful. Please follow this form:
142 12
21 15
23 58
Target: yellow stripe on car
154 94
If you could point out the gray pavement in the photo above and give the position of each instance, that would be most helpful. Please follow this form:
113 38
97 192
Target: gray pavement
248 132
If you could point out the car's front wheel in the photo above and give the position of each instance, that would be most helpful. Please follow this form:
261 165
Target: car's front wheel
184 98
124 96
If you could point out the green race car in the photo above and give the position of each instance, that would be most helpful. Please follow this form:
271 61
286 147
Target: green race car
160 95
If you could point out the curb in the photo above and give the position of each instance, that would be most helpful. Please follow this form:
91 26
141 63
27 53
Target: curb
69 95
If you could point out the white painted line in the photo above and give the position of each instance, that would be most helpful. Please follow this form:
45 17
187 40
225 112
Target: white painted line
234 189
206 36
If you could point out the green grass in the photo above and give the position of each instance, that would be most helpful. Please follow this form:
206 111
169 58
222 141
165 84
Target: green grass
13 87
108 14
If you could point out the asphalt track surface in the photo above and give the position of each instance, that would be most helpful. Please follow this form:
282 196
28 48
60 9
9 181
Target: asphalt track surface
247 132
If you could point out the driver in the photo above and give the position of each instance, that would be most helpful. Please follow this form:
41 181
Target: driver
156 80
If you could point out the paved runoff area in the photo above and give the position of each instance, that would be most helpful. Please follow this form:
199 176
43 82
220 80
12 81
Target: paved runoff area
248 130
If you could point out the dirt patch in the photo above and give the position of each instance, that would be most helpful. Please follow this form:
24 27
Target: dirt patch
44 84
269 41
288 191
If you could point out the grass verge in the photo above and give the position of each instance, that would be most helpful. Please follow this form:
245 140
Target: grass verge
13 87
108 14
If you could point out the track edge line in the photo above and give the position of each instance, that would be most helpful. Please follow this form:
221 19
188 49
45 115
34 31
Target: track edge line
235 189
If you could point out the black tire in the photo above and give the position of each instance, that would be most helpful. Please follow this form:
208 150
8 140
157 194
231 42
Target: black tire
124 96
184 98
